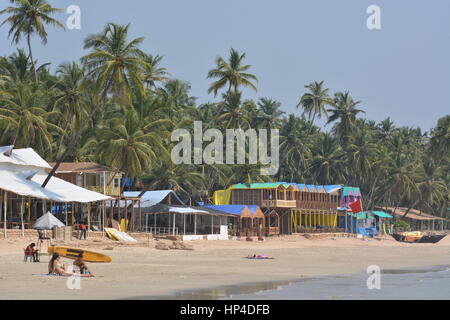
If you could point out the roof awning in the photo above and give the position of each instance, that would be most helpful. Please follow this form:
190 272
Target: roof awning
163 208
381 214
28 184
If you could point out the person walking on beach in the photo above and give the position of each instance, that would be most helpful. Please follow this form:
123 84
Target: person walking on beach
83 229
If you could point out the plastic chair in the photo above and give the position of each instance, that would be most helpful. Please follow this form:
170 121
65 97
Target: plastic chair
27 255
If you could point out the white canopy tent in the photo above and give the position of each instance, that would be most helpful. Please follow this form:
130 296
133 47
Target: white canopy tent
48 222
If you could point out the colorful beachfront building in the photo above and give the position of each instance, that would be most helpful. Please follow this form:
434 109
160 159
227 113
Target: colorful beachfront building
300 207
92 176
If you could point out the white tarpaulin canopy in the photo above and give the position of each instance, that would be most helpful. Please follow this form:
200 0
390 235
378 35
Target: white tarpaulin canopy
163 208
150 198
22 171
56 190
48 222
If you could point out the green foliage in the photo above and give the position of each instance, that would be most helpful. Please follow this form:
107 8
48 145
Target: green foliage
401 225
118 106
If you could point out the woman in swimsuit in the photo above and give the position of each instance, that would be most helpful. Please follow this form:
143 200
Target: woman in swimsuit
55 266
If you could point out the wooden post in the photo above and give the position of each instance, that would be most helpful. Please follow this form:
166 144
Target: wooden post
195 224
104 219
212 224
89 218
111 213
139 215
184 224
5 195
73 214
132 214
29 210
22 213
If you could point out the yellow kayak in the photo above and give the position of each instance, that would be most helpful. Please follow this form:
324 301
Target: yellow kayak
73 253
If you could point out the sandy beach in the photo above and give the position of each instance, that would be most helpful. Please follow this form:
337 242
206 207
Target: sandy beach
140 270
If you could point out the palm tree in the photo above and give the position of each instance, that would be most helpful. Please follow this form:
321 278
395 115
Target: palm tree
125 146
270 113
360 153
432 189
152 72
232 73
71 100
114 66
344 110
315 101
327 165
24 119
296 140
232 112
29 17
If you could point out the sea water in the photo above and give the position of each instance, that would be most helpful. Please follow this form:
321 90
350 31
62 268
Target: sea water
395 284
426 283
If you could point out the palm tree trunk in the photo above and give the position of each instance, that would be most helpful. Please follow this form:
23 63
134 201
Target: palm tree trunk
33 67
77 136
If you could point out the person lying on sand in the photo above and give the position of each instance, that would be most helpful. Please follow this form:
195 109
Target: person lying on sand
55 266
258 256
81 264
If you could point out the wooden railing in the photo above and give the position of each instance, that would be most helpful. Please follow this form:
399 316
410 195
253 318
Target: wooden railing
110 191
278 203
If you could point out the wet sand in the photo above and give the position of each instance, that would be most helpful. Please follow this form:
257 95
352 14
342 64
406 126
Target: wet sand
142 271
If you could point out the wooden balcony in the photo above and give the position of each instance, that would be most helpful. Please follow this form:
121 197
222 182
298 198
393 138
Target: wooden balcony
278 203
110 191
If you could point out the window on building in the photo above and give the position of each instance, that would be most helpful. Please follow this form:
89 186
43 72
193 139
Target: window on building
79 180
116 183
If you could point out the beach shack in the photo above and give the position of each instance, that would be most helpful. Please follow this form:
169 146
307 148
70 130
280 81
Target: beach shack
164 213
288 207
249 219
23 200
417 219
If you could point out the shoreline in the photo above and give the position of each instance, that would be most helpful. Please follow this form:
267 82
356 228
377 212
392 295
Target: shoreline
142 271
242 291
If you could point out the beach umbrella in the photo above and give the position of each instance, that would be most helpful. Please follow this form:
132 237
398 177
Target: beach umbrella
48 222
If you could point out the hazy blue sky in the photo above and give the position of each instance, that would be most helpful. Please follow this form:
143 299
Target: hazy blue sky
401 71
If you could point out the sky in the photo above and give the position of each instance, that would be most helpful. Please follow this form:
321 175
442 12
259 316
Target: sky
400 71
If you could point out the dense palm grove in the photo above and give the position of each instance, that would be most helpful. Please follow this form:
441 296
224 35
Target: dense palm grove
118 105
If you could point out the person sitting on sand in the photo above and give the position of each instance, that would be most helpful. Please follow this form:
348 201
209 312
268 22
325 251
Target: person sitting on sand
56 267
81 264
30 250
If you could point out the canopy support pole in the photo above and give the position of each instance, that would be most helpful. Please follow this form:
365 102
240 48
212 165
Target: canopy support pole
212 224
22 213
104 218
5 195
146 223
89 218
195 224
173 228
132 214
139 215
184 224
29 210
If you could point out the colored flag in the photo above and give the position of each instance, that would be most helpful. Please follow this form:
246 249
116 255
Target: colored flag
356 206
